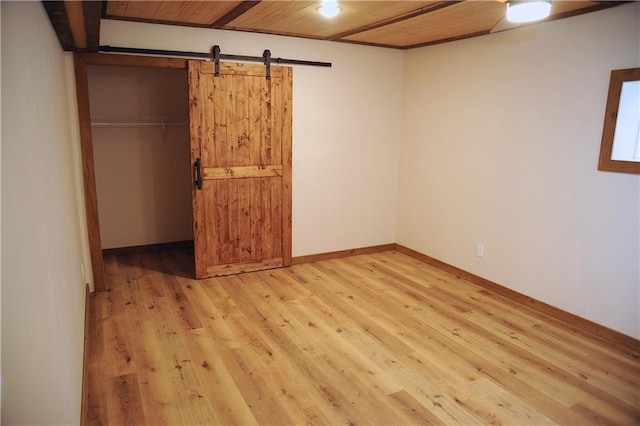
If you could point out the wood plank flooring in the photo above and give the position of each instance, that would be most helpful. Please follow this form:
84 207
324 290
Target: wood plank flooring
372 339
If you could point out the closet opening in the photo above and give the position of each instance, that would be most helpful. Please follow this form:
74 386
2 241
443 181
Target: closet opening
141 157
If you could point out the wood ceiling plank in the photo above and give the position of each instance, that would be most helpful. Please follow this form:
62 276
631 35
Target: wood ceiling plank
240 9
396 24
459 19
116 7
210 11
188 10
170 10
75 14
302 18
421 11
142 9
190 13
58 17
92 15
462 20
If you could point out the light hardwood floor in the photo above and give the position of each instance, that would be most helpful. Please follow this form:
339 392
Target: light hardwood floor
370 339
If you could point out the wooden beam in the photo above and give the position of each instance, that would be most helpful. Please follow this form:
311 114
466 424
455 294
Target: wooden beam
88 174
75 15
133 61
235 13
92 15
58 17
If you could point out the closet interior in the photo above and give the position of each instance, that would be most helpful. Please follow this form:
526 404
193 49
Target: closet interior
140 129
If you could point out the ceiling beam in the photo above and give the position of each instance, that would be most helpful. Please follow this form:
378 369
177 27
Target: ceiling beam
75 16
234 13
77 24
92 15
58 17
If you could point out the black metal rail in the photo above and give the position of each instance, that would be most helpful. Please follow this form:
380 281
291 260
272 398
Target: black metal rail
210 55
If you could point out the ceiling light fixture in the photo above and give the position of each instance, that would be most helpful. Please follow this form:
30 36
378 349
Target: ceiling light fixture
329 8
528 11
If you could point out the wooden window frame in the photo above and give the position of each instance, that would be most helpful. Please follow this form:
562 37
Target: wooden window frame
606 163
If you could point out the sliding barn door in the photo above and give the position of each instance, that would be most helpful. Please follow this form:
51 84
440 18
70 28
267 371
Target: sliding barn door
241 152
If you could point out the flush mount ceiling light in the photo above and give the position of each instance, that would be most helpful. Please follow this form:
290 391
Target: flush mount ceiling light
329 8
528 11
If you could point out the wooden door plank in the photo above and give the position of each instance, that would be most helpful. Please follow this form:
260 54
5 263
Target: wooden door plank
276 216
267 124
216 91
198 200
254 111
222 222
244 206
256 220
241 142
273 151
286 147
241 69
233 192
212 247
241 172
229 145
265 206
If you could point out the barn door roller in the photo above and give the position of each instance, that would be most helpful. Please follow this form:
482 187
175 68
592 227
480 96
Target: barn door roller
266 55
215 56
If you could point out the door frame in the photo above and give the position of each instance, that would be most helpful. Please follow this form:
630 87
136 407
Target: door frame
81 61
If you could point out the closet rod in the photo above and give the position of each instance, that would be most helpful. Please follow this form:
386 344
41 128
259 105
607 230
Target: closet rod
157 52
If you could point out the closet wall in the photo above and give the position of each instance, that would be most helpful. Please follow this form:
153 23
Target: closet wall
143 173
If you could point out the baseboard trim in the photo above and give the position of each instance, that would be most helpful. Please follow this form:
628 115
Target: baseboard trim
84 404
148 248
576 321
342 253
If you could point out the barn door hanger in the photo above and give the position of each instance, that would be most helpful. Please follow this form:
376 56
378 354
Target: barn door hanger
267 62
266 59
216 56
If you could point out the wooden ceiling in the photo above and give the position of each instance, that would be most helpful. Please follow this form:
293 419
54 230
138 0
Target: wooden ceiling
396 24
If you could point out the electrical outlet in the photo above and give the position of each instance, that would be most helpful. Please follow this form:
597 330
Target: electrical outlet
480 250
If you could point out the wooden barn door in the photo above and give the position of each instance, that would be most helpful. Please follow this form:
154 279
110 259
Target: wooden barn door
240 126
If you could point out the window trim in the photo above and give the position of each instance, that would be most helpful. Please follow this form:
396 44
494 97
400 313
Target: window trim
606 163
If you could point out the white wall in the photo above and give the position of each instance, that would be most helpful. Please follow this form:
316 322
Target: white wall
500 145
42 286
346 127
143 173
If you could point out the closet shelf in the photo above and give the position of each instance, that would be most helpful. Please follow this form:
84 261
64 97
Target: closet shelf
118 121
